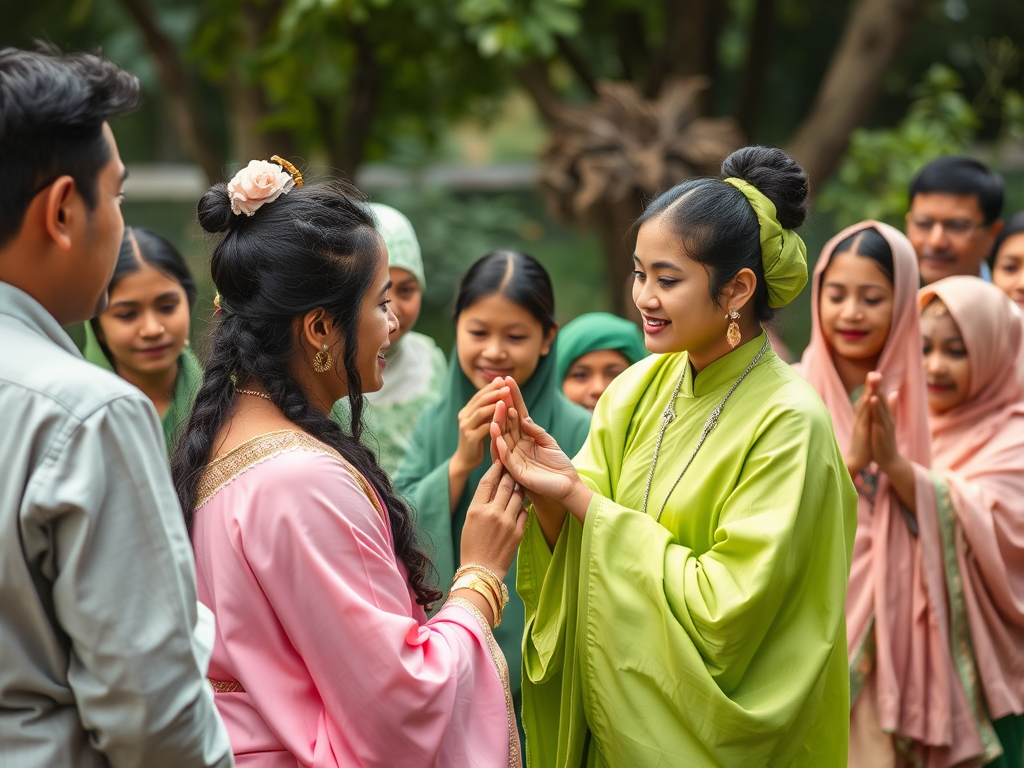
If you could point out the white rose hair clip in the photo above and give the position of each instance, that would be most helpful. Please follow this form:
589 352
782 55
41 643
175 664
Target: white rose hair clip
261 182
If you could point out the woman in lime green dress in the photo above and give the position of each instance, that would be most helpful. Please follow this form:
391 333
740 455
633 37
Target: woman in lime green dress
685 576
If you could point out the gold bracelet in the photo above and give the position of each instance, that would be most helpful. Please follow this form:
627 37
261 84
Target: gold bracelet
482 588
488 575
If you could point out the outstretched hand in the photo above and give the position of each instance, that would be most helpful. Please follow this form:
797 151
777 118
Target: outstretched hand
534 459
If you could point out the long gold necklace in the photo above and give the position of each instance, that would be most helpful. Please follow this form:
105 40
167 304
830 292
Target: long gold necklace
669 416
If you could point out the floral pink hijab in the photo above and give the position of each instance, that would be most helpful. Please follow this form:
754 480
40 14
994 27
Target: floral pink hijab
896 601
979 453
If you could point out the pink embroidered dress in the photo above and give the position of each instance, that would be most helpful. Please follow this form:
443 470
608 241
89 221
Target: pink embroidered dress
322 656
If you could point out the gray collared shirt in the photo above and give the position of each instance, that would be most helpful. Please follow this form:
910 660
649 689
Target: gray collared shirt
103 647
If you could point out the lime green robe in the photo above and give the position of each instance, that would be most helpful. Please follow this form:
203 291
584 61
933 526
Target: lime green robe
716 637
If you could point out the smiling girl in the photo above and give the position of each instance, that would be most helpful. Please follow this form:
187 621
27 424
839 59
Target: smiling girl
684 575
908 690
972 334
143 335
504 327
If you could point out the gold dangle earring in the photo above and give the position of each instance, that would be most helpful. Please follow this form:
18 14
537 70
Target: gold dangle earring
322 361
733 335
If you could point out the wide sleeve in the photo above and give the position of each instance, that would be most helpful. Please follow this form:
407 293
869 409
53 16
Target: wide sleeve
395 693
981 518
744 644
125 593
423 482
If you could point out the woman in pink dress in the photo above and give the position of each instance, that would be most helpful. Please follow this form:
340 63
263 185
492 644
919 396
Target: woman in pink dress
323 654
972 336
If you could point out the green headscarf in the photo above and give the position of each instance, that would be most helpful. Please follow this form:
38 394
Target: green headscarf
186 385
783 253
423 478
596 331
400 238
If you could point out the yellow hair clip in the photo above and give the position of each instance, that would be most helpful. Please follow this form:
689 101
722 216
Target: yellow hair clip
295 173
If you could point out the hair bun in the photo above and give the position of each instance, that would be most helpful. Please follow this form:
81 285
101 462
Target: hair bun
777 176
214 209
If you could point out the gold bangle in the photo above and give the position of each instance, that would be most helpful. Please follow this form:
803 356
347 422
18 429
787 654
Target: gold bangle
488 575
482 588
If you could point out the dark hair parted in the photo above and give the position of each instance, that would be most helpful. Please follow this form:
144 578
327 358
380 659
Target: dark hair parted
52 110
519 278
141 246
955 175
718 228
1014 226
870 244
314 248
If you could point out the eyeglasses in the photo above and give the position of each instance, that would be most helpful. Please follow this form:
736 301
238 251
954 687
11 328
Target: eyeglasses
952 227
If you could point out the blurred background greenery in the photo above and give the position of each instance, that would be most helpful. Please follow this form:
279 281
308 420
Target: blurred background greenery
544 125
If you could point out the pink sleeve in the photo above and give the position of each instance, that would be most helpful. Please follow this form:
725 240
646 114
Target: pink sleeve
394 692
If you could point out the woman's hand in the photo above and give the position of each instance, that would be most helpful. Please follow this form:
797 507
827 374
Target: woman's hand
494 522
899 470
858 454
536 462
474 425
883 431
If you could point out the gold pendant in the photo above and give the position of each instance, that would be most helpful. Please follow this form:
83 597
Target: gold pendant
733 335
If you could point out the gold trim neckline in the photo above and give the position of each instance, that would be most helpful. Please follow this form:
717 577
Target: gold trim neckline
246 455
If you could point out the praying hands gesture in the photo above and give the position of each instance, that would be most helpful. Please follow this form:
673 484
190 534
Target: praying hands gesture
532 457
874 439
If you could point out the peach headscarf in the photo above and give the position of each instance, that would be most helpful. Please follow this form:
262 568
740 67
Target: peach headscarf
979 451
896 579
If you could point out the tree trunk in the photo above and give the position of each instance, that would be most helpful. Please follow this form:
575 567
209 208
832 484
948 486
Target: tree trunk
755 70
348 145
874 35
185 107
613 222
247 100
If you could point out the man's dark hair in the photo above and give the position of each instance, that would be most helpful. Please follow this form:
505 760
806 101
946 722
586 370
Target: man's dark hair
52 109
954 175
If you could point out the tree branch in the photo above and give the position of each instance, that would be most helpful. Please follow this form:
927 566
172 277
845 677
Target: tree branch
534 78
579 66
873 36
186 110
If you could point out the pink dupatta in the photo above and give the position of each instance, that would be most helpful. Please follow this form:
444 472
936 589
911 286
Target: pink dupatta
979 450
897 617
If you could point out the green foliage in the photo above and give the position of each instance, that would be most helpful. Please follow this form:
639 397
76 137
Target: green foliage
519 29
873 180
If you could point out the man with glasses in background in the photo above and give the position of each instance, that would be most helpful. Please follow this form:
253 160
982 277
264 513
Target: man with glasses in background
955 205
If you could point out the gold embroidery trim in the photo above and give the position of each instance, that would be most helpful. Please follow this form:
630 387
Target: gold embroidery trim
225 686
514 757
224 469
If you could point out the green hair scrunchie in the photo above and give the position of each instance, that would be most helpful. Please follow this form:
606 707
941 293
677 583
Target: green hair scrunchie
783 253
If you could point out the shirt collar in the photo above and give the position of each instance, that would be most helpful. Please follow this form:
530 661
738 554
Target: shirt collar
26 310
723 371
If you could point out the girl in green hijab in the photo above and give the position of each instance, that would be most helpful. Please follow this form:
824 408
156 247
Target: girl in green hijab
143 335
504 326
592 350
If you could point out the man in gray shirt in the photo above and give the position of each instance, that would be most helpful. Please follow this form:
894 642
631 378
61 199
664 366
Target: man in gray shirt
103 647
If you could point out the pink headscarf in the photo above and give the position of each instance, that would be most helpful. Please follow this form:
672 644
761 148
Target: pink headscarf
979 451
897 579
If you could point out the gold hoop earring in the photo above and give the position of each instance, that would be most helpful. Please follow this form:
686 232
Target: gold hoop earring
322 361
733 335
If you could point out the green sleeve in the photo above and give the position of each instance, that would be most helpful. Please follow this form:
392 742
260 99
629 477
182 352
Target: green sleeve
424 484
738 652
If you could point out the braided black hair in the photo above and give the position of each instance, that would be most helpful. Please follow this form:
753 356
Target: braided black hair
313 248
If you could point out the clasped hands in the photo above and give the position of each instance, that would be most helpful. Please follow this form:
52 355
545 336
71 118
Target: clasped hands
874 430
534 460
